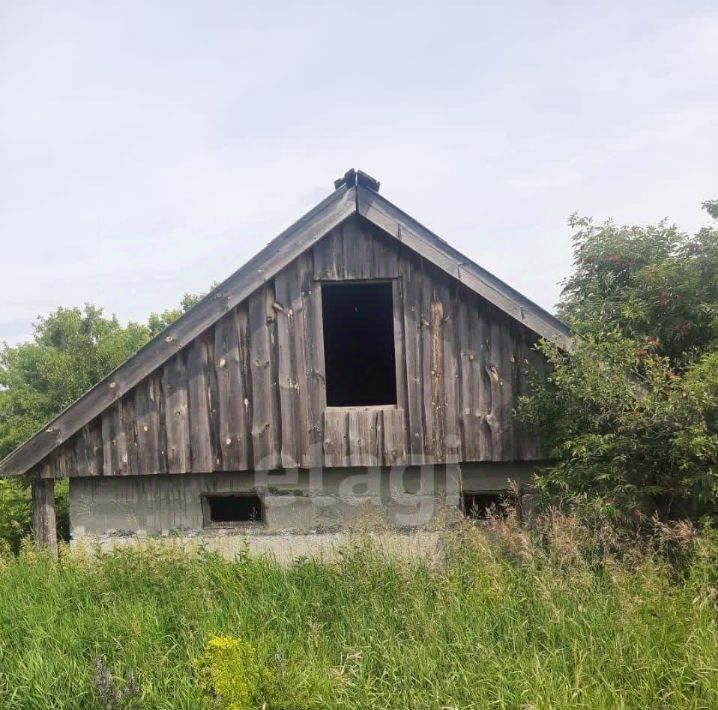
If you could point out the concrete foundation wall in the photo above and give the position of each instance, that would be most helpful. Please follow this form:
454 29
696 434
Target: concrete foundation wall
303 509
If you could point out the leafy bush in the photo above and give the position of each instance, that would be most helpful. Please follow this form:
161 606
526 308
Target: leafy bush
652 284
619 422
631 415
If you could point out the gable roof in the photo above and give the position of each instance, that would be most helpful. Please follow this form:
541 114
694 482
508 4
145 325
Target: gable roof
356 193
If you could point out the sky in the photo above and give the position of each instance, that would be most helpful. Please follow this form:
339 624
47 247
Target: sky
148 149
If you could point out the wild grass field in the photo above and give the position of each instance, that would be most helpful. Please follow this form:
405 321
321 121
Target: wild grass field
558 617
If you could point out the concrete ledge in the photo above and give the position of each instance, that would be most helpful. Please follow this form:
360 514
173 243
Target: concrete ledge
426 545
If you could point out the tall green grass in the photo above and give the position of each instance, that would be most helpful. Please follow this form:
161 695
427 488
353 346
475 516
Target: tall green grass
548 619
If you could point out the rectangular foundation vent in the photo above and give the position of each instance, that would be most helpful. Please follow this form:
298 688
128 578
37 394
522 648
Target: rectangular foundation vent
480 505
229 510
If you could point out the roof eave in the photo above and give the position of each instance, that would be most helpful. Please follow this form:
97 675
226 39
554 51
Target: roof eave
263 266
407 230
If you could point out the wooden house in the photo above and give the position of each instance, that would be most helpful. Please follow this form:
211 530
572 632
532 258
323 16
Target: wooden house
357 366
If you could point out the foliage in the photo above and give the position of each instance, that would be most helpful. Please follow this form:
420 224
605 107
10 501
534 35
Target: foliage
554 617
631 415
655 285
623 424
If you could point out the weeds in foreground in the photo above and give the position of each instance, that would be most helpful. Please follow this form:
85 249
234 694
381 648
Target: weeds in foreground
567 614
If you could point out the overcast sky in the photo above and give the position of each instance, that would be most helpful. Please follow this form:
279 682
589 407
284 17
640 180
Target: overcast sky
150 148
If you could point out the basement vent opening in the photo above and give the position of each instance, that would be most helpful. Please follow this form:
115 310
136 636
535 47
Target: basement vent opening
358 323
483 505
227 510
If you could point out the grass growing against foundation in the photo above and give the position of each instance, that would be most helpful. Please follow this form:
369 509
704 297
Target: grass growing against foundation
562 617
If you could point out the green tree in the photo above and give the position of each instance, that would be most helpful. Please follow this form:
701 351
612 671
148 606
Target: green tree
653 284
631 415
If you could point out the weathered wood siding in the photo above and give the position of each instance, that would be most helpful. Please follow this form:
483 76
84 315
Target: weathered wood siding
249 393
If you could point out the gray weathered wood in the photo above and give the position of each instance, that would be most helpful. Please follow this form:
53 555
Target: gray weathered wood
88 450
336 437
481 341
129 426
328 256
385 252
393 437
397 294
364 437
198 390
44 522
413 358
151 443
266 425
233 401
358 251
114 442
469 378
287 292
314 359
174 390
299 280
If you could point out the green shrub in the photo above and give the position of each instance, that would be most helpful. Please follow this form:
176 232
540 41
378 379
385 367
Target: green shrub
620 423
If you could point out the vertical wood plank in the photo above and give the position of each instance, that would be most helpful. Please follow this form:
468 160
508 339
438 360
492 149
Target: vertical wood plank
299 281
427 373
314 358
198 365
468 375
412 331
437 394
328 256
336 438
88 450
385 253
174 390
150 428
494 418
287 369
266 431
242 327
358 256
44 521
394 437
402 397
481 342
509 365
363 433
114 441
129 426
232 400
213 399
447 293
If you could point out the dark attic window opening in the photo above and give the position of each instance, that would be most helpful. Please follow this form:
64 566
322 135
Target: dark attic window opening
358 323
228 510
484 505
